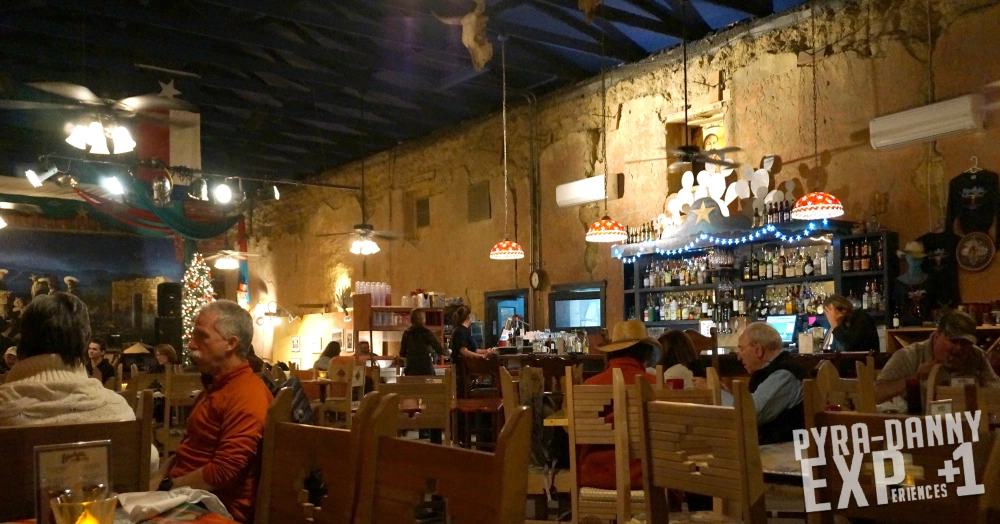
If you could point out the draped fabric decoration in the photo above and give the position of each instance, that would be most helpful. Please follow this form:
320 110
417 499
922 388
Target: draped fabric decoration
143 214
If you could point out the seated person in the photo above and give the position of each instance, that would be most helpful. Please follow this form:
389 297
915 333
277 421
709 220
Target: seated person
9 359
680 360
166 355
331 351
95 360
775 383
49 384
363 357
952 345
850 329
219 453
630 350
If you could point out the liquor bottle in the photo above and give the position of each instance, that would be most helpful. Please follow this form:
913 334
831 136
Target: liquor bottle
645 278
788 210
808 269
857 257
746 270
756 218
789 303
847 262
866 256
829 261
742 304
823 268
781 269
879 261
895 318
673 308
768 266
754 267
866 297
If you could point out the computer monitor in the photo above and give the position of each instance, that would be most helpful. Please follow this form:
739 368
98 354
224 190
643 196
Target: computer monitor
786 326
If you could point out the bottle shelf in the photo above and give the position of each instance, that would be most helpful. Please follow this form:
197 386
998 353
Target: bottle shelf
785 281
678 289
860 274
671 323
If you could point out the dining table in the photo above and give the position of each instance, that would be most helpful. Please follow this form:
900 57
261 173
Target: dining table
185 513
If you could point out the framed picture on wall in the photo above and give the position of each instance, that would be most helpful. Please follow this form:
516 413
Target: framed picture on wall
338 336
296 341
348 341
314 345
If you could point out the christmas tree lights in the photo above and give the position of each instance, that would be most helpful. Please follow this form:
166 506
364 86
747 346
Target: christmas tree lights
197 291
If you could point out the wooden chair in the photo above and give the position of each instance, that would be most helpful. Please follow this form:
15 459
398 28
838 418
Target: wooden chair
180 390
335 410
509 394
847 393
476 372
401 478
702 343
709 450
335 453
131 443
553 371
278 375
433 399
922 469
142 381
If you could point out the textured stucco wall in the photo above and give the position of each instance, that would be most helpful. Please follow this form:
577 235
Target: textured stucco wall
871 60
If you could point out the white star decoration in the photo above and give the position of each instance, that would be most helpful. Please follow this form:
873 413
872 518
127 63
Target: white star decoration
168 90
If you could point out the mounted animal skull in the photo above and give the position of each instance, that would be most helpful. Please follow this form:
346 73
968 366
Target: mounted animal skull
589 7
473 33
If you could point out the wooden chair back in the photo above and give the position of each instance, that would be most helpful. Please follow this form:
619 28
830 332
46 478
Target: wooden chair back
403 477
850 394
303 374
180 390
709 450
278 375
509 393
113 383
131 443
702 343
553 371
143 381
431 397
332 453
587 409
628 436
922 465
336 410
476 371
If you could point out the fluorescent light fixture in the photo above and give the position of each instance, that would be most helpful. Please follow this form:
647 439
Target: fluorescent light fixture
364 246
113 185
227 262
122 140
35 179
79 137
223 193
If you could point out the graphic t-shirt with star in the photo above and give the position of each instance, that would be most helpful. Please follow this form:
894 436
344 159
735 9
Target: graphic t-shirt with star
941 268
973 198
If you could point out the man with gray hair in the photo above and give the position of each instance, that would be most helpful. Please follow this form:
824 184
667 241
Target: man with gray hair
775 383
219 453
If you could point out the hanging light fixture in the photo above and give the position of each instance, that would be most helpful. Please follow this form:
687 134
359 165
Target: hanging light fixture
122 140
606 229
227 262
96 134
78 137
36 179
817 205
364 246
506 249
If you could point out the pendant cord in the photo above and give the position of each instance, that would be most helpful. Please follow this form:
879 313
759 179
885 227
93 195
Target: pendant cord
815 86
364 220
604 119
684 52
503 67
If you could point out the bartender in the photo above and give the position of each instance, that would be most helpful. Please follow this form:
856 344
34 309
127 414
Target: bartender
463 344
850 329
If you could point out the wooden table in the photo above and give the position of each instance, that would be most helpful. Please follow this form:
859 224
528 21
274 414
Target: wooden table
558 419
779 464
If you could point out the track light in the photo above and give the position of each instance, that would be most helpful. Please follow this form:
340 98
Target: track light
113 185
36 179
223 193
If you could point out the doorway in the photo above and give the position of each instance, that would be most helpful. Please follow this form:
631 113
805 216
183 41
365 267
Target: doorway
501 305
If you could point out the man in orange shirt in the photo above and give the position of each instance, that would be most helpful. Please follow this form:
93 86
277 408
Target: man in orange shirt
630 350
220 452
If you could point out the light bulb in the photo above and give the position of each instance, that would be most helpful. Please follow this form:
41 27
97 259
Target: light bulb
113 185
223 194
78 138
277 195
122 140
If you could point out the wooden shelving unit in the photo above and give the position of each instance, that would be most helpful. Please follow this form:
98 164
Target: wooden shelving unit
391 318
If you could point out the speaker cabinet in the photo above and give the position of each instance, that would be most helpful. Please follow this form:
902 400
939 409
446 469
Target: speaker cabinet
168 299
170 330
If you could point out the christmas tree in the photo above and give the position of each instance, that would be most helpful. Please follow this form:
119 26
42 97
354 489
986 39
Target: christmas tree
196 293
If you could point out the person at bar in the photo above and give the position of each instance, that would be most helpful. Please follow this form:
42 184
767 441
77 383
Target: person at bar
419 346
463 344
219 453
631 350
952 345
850 329
775 383
680 360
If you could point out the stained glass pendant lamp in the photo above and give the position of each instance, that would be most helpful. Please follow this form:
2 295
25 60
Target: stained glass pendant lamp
506 249
817 205
606 229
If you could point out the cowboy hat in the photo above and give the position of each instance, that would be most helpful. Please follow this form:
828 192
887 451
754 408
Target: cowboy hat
914 249
627 334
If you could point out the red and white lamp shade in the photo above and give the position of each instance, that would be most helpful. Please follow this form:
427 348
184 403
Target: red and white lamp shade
506 250
606 230
815 206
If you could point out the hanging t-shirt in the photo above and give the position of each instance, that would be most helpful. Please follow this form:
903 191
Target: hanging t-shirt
911 301
941 268
973 198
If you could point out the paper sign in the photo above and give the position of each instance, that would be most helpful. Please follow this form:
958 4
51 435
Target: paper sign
806 343
69 466
705 327
939 407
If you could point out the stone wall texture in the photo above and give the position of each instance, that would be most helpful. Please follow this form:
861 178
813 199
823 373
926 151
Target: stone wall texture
870 58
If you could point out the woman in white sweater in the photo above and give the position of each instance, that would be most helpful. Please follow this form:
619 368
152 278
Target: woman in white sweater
49 384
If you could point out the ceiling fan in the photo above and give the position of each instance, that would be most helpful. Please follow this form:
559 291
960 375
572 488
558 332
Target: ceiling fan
363 243
229 259
689 154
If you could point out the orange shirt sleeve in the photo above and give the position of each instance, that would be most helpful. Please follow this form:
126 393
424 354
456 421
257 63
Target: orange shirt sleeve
242 430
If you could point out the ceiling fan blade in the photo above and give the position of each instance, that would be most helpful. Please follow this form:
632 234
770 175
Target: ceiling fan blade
24 104
246 255
335 234
153 103
726 163
723 150
388 235
213 257
162 119
74 91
